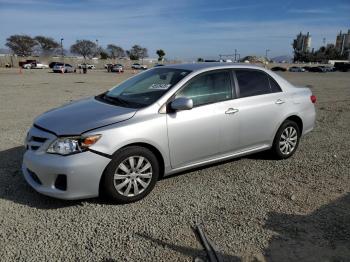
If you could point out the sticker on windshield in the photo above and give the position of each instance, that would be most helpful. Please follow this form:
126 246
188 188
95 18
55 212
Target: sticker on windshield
160 86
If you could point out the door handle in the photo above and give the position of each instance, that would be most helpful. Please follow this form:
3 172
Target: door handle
279 102
231 111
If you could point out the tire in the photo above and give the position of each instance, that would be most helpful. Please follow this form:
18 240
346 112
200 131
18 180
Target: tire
122 189
286 140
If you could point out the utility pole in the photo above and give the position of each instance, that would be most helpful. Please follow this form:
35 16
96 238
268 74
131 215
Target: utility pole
266 51
96 47
62 48
235 55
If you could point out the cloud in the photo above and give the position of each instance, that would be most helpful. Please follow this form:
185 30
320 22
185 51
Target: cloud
311 11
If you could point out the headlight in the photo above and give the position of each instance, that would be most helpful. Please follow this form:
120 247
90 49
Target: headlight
72 145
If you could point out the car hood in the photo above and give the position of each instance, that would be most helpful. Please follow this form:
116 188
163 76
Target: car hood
81 116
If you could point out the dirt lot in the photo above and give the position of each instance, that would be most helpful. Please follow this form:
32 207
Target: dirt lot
253 208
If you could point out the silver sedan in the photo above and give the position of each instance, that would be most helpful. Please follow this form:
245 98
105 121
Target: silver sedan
162 121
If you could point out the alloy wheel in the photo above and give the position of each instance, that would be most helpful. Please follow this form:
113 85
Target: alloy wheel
288 140
132 176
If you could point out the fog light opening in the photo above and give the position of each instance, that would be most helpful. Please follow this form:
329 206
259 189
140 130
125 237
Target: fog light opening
61 182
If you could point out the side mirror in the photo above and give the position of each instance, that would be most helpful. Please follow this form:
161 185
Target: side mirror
181 103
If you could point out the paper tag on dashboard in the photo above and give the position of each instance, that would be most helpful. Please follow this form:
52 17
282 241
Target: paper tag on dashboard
160 86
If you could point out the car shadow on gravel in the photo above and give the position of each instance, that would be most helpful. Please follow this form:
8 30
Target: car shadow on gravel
187 251
324 235
14 188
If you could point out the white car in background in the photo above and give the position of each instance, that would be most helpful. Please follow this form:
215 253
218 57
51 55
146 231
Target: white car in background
139 66
35 66
40 66
63 68
88 66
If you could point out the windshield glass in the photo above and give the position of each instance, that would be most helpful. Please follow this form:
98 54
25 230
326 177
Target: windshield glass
146 88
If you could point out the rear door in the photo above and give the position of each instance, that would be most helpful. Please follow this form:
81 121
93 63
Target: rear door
257 110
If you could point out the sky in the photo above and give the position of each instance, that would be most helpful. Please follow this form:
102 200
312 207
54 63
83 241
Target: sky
184 29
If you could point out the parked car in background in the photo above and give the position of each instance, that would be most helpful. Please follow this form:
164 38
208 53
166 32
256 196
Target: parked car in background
278 68
88 66
27 66
27 62
316 69
66 68
296 69
342 66
327 68
157 65
139 66
307 68
35 65
163 121
40 66
117 68
52 64
107 65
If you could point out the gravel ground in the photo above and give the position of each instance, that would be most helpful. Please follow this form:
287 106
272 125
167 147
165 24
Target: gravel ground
252 208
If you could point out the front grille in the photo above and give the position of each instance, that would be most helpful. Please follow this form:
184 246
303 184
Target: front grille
38 139
34 176
35 142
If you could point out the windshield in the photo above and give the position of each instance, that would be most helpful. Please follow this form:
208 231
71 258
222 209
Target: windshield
146 88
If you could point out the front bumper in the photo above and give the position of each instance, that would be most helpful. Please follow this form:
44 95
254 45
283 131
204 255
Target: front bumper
83 172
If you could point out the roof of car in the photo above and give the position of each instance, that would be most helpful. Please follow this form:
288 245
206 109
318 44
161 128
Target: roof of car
200 66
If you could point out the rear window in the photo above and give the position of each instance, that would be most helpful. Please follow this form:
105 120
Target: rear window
254 82
274 86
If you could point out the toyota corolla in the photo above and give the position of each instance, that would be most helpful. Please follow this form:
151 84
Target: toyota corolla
162 121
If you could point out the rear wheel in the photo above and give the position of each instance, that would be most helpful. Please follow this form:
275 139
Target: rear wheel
131 175
286 140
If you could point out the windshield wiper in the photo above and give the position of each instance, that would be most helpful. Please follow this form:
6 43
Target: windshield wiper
115 100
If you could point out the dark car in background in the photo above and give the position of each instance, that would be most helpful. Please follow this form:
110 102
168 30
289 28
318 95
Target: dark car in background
278 68
296 69
342 66
52 64
316 69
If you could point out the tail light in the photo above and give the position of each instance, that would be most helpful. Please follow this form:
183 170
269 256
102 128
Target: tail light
313 99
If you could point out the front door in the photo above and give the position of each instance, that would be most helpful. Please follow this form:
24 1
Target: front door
194 135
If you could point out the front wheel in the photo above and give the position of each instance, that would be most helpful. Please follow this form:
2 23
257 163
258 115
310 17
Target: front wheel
286 140
131 175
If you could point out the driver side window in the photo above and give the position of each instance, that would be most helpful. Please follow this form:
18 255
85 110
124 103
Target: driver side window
208 88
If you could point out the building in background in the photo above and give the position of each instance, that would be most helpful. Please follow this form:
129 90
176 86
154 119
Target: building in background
302 43
342 43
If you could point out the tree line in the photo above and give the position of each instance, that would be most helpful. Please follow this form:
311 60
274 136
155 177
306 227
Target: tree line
24 45
324 53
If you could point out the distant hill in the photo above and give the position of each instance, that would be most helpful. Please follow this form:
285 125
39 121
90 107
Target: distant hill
282 58
4 51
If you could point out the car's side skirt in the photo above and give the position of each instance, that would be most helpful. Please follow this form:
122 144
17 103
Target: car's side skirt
217 159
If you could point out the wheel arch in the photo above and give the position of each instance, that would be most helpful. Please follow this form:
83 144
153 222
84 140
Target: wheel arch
297 120
150 147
